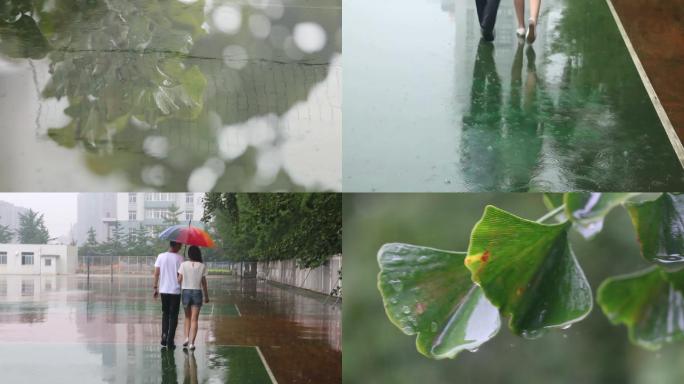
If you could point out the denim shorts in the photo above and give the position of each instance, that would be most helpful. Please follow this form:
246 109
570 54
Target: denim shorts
192 297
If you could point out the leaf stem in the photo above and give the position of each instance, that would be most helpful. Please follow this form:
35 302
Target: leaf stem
551 214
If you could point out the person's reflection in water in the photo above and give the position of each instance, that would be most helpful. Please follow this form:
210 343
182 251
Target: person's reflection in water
190 368
502 141
480 124
168 367
521 138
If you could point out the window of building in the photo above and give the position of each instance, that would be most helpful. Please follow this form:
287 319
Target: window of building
156 213
27 287
48 262
27 258
189 198
131 215
159 196
3 258
188 216
132 197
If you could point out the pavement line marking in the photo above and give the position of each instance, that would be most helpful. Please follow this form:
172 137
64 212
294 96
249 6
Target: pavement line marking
268 369
238 310
664 119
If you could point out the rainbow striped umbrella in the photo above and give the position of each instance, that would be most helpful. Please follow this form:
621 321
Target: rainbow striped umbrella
186 234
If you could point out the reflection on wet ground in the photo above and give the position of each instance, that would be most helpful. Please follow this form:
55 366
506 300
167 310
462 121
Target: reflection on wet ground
436 110
65 327
170 94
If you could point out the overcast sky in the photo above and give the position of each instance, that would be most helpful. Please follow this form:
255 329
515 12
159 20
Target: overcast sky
60 209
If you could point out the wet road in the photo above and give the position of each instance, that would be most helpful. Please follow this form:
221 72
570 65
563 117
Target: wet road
435 110
173 95
55 329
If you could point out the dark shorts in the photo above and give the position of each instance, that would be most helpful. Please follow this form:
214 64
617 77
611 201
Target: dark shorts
192 297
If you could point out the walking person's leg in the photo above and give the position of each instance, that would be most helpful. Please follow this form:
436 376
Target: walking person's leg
186 324
165 318
195 309
535 5
480 5
489 19
520 15
174 307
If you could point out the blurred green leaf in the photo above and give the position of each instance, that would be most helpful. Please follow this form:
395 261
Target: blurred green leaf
22 38
587 210
659 225
650 303
428 292
528 271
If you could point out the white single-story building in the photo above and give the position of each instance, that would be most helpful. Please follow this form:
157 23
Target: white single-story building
38 259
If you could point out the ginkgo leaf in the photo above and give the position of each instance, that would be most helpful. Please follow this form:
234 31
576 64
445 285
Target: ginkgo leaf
587 210
659 225
428 292
528 271
650 303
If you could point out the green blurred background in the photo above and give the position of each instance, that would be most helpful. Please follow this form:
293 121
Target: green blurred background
591 351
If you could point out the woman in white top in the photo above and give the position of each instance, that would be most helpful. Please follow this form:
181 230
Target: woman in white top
192 275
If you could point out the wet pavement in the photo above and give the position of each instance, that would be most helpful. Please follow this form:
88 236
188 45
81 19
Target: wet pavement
433 109
170 94
61 329
656 30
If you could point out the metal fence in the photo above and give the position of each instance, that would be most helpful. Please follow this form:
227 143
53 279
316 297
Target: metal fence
117 265
132 265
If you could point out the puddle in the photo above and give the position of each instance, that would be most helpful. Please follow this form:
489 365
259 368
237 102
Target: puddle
64 327
435 110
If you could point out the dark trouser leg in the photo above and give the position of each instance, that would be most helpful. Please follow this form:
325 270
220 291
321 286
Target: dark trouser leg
165 317
488 18
480 4
174 307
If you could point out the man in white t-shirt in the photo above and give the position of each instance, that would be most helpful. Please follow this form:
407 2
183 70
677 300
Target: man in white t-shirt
166 282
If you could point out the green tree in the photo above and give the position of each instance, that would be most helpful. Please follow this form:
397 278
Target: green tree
172 217
6 234
115 245
263 227
32 229
91 246
143 242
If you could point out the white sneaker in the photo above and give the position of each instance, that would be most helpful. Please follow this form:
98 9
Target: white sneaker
520 32
192 347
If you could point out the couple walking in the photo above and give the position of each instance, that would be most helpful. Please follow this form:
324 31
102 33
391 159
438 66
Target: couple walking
178 280
487 10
